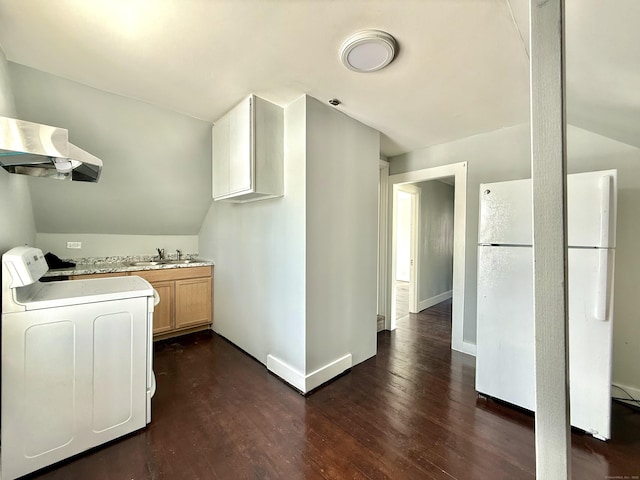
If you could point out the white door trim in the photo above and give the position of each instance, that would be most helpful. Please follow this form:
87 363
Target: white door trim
383 214
459 172
414 250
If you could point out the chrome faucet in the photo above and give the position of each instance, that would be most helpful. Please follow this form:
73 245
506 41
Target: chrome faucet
179 252
160 253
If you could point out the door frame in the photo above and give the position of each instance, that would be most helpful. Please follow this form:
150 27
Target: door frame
459 172
383 202
414 235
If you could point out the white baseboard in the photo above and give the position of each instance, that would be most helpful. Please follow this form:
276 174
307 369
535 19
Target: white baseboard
464 347
329 371
286 372
469 348
617 393
306 383
430 302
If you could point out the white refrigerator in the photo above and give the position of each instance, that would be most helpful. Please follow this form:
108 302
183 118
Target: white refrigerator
505 334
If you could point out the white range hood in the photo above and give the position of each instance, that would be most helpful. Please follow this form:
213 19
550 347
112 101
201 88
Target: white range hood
40 150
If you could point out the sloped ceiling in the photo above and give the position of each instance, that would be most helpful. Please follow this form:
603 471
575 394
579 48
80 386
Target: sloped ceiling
156 178
602 64
462 67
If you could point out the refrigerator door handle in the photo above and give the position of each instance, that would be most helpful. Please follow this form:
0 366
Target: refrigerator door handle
605 211
602 282
602 285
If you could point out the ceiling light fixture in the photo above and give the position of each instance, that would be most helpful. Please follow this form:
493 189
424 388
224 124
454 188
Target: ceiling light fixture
368 51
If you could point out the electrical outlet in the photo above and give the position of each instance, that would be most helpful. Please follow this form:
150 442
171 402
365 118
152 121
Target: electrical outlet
74 244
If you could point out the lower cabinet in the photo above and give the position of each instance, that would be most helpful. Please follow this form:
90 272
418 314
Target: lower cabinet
193 302
163 311
186 298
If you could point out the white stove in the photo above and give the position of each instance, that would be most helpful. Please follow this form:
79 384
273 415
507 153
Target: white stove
76 362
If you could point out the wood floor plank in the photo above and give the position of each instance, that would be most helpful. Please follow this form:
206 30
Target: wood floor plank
410 412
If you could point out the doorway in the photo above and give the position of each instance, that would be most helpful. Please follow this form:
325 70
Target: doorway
459 173
407 232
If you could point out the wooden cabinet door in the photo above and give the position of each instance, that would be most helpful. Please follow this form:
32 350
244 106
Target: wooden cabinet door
193 302
163 312
186 297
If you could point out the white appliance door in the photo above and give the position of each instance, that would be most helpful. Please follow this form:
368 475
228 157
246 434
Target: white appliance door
592 202
73 377
505 347
506 211
590 338
505 333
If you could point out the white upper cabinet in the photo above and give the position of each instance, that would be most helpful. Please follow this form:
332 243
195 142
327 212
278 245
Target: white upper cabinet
248 152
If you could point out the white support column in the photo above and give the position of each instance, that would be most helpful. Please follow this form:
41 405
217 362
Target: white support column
548 170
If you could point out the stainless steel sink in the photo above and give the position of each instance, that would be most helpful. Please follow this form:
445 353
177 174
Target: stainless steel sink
144 263
150 263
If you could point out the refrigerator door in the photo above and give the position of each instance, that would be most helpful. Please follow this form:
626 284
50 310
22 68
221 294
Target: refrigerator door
506 211
591 201
505 349
505 333
590 339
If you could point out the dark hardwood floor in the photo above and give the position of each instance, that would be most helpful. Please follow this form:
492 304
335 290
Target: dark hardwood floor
402 299
411 412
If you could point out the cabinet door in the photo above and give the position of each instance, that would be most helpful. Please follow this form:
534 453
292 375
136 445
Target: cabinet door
240 148
163 312
193 302
221 152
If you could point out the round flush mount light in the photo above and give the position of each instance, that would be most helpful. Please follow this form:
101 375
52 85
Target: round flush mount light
368 51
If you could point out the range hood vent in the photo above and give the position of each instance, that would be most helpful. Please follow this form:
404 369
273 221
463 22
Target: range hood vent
39 150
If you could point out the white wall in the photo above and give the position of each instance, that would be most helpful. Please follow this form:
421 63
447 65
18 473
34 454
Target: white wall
17 226
494 156
342 236
436 242
156 178
505 155
103 245
295 277
259 250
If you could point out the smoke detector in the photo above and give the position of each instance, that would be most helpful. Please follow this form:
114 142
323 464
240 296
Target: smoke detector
368 51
